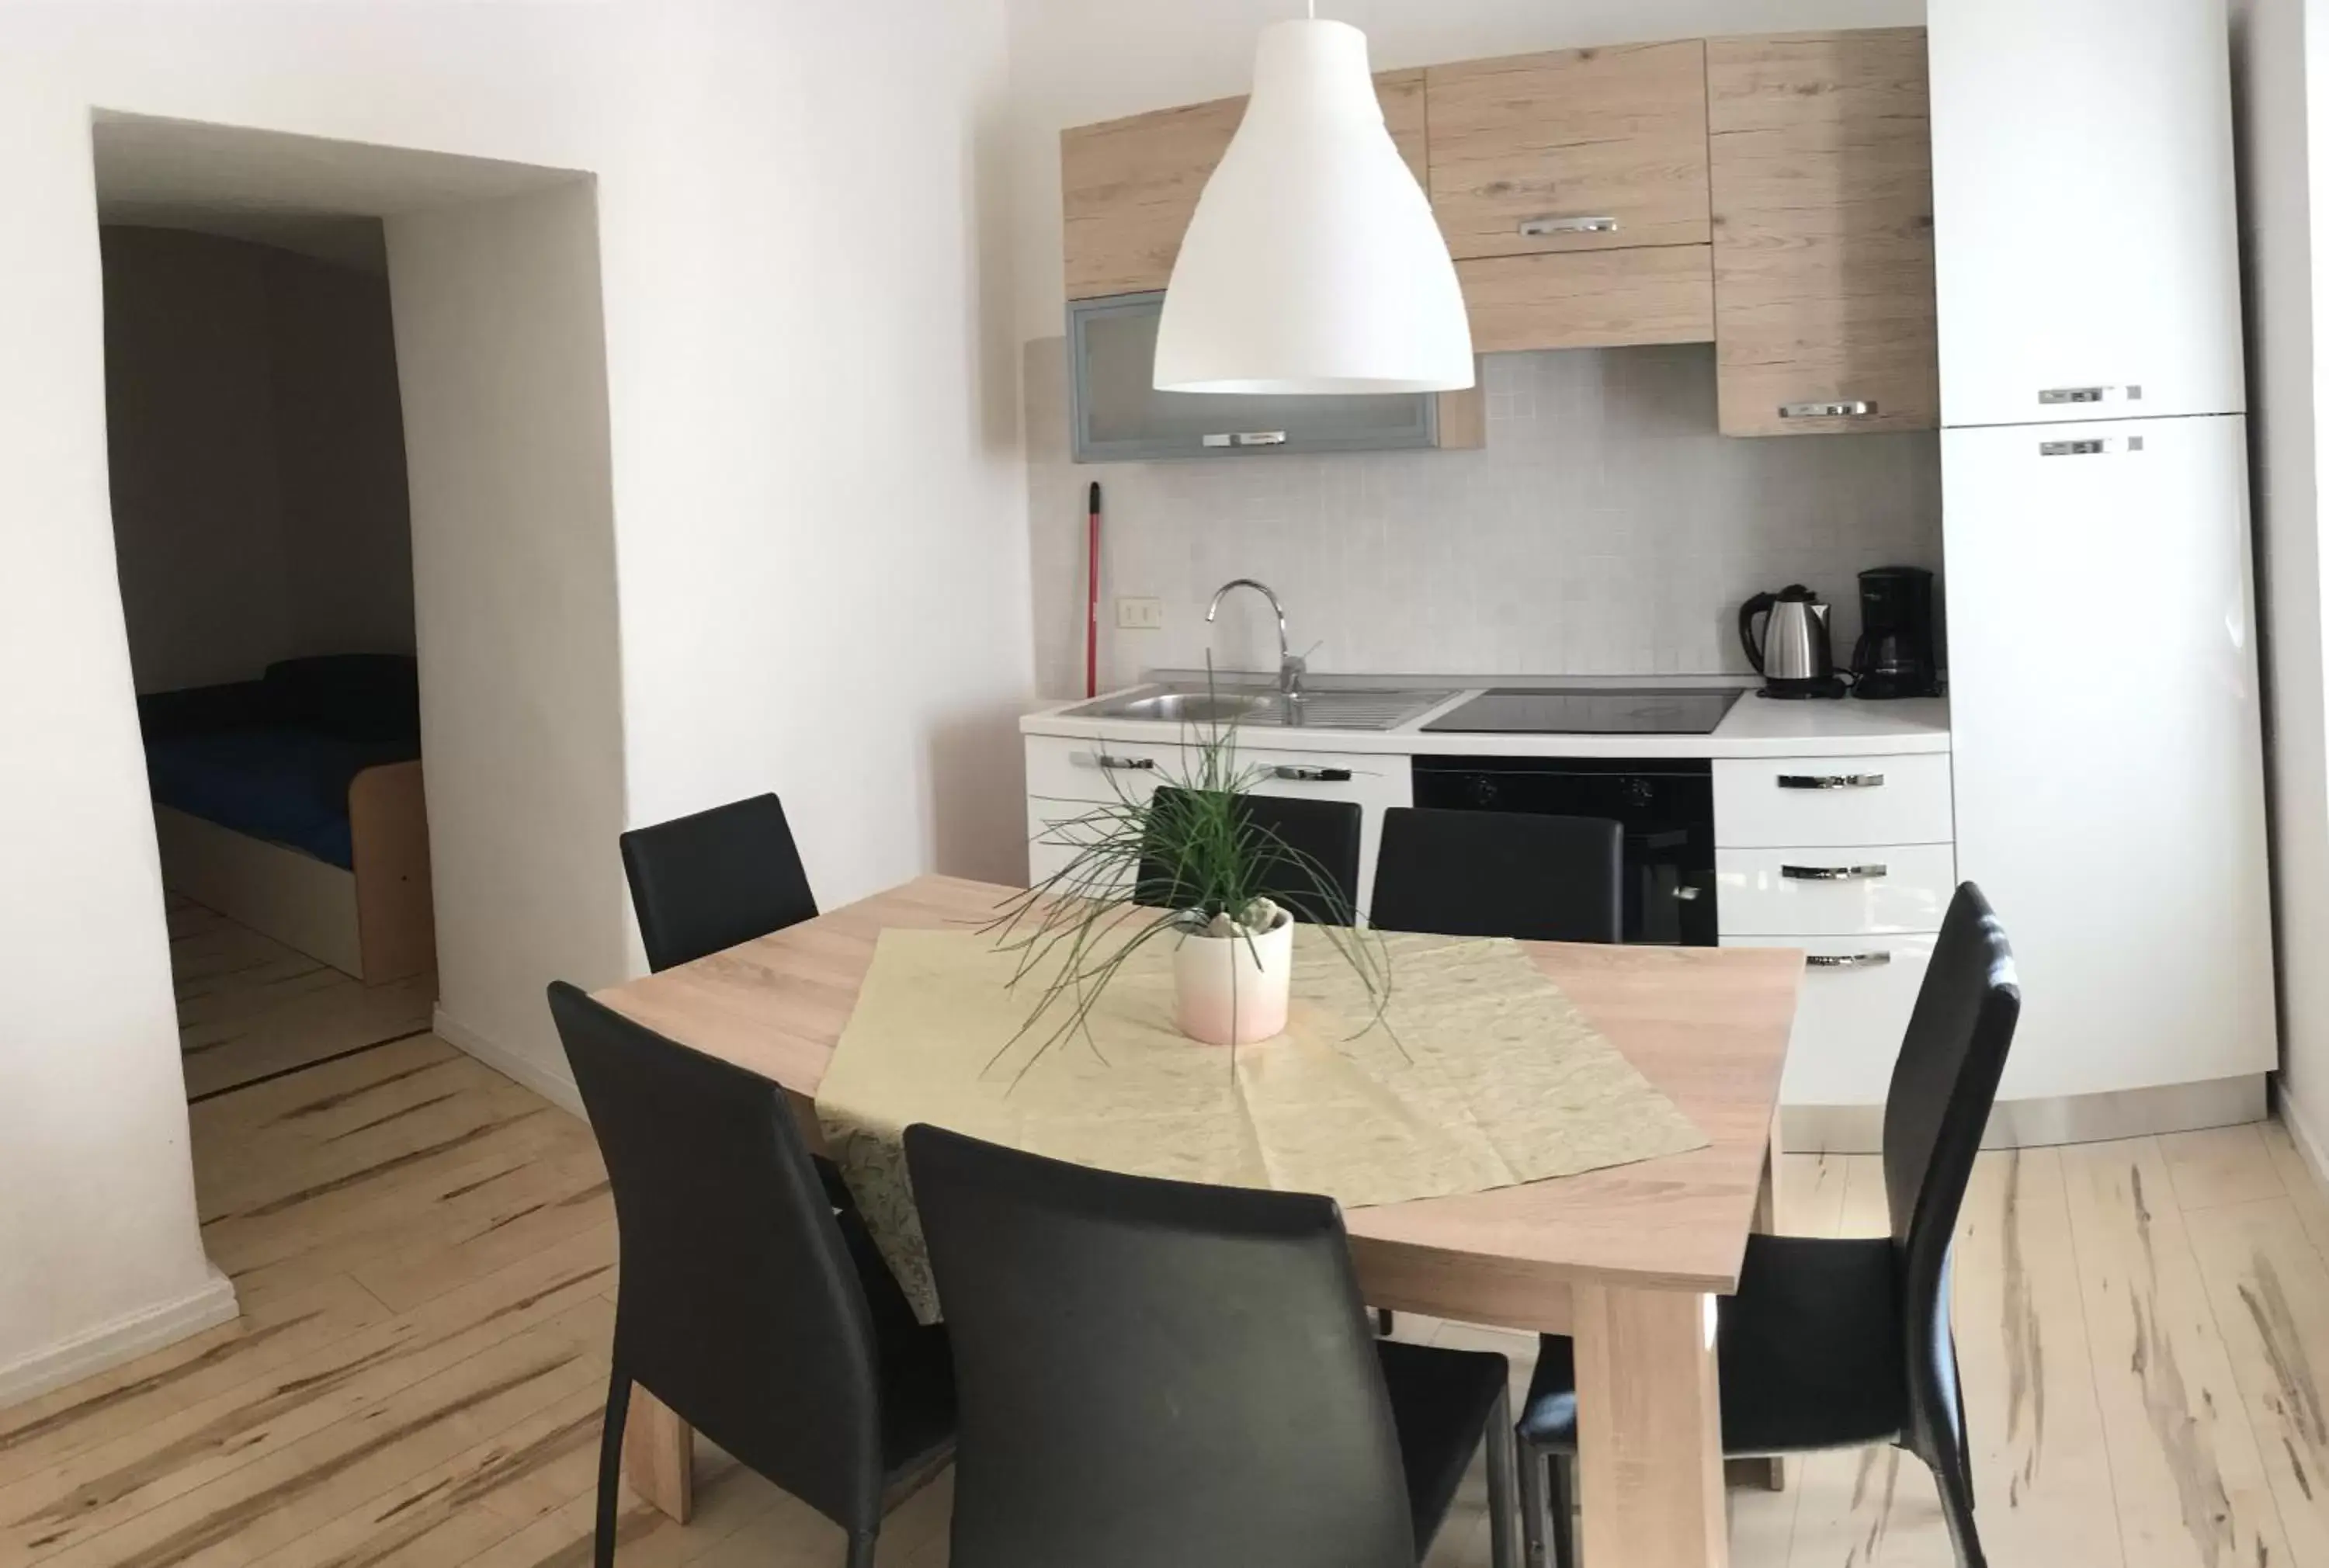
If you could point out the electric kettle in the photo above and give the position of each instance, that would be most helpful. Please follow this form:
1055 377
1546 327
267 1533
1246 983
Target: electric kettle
1792 653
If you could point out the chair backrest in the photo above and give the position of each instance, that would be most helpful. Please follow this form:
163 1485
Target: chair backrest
1155 1374
738 1305
708 881
1319 843
1943 1087
1539 878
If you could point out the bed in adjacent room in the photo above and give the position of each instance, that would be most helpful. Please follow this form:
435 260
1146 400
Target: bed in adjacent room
293 803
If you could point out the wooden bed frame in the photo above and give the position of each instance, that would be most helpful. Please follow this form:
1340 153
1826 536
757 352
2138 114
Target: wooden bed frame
376 922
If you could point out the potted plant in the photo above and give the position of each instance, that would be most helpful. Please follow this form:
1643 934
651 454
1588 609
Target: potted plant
1187 865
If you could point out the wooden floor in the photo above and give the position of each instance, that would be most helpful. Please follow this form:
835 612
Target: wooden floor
248 1006
426 1257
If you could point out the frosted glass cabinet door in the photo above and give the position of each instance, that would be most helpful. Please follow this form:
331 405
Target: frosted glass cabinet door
1120 417
2083 209
2104 715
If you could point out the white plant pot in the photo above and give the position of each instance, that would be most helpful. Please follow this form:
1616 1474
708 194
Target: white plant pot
1231 990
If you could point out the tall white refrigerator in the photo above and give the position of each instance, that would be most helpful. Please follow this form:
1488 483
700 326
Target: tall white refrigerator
2102 657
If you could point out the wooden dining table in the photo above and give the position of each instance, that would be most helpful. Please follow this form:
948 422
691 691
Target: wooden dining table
1627 1260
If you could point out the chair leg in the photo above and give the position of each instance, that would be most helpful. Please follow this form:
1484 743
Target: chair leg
1501 1443
1964 1432
1954 1479
860 1547
1560 1505
610 1466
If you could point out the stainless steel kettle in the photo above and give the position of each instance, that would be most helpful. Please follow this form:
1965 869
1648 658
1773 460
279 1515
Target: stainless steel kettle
1792 653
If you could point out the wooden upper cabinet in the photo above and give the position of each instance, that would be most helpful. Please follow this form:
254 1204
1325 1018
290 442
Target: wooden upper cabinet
1821 169
1130 186
1585 149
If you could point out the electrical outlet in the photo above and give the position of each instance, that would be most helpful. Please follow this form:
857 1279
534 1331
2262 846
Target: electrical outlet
1140 615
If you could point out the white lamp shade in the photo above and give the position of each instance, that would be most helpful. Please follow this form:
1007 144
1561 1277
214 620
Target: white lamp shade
1314 263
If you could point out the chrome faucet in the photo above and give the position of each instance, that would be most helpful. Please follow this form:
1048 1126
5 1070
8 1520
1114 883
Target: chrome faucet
1291 666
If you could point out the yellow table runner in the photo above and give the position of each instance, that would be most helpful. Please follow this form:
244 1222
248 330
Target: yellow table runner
1481 1075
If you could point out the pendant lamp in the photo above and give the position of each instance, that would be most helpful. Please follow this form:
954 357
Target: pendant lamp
1314 263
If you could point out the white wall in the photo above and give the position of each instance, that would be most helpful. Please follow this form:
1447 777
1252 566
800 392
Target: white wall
2278 49
819 506
497 328
256 457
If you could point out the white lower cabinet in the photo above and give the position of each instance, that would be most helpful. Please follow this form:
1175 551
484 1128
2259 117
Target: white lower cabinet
1857 994
1070 778
1855 891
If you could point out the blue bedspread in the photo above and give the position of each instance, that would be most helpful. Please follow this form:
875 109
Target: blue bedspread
274 757
290 785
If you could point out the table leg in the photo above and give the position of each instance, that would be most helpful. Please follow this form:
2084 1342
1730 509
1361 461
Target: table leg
1770 1474
659 1455
1649 1429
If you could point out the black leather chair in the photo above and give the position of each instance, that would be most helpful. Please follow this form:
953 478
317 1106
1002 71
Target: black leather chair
1501 874
1313 842
704 882
1841 1343
759 1315
1159 1374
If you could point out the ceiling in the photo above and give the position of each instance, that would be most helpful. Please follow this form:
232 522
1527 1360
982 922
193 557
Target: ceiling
319 197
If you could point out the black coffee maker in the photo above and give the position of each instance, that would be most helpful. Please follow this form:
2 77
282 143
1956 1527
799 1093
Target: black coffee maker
1896 655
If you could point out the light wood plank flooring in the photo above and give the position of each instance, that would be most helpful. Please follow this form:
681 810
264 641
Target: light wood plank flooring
248 1006
426 1257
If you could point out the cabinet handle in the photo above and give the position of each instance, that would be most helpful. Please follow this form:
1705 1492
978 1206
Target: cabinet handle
1129 763
1846 960
1247 438
1847 408
1830 781
2092 447
2055 396
1311 774
1834 873
1538 227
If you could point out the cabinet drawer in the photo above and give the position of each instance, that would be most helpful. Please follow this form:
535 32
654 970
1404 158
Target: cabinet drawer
1785 803
1832 891
1064 769
1591 299
1850 1015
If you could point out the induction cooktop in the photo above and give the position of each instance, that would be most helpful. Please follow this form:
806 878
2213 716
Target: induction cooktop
1588 710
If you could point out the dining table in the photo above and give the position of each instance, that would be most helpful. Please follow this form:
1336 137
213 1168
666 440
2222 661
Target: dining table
1627 1261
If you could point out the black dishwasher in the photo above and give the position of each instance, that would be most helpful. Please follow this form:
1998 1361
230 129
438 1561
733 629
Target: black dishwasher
1666 805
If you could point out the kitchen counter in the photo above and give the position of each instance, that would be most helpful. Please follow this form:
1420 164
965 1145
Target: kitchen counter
1755 727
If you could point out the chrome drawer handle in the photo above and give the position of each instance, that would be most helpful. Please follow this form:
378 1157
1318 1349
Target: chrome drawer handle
1834 873
1247 438
1848 408
1830 781
1131 763
1538 227
1846 960
1311 774
2094 447
2055 396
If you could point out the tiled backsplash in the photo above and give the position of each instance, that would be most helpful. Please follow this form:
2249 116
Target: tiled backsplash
1607 529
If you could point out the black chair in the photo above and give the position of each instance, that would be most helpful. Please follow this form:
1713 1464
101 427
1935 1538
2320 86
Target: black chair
1160 1374
1317 841
1844 1342
761 1317
1501 874
709 881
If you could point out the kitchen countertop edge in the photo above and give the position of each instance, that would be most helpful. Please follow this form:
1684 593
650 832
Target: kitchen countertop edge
1754 727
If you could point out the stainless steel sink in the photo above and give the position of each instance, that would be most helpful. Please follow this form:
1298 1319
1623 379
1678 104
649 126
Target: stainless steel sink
1326 709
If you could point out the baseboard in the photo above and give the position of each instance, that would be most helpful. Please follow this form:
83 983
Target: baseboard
555 1087
2300 1125
2033 1124
124 1338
